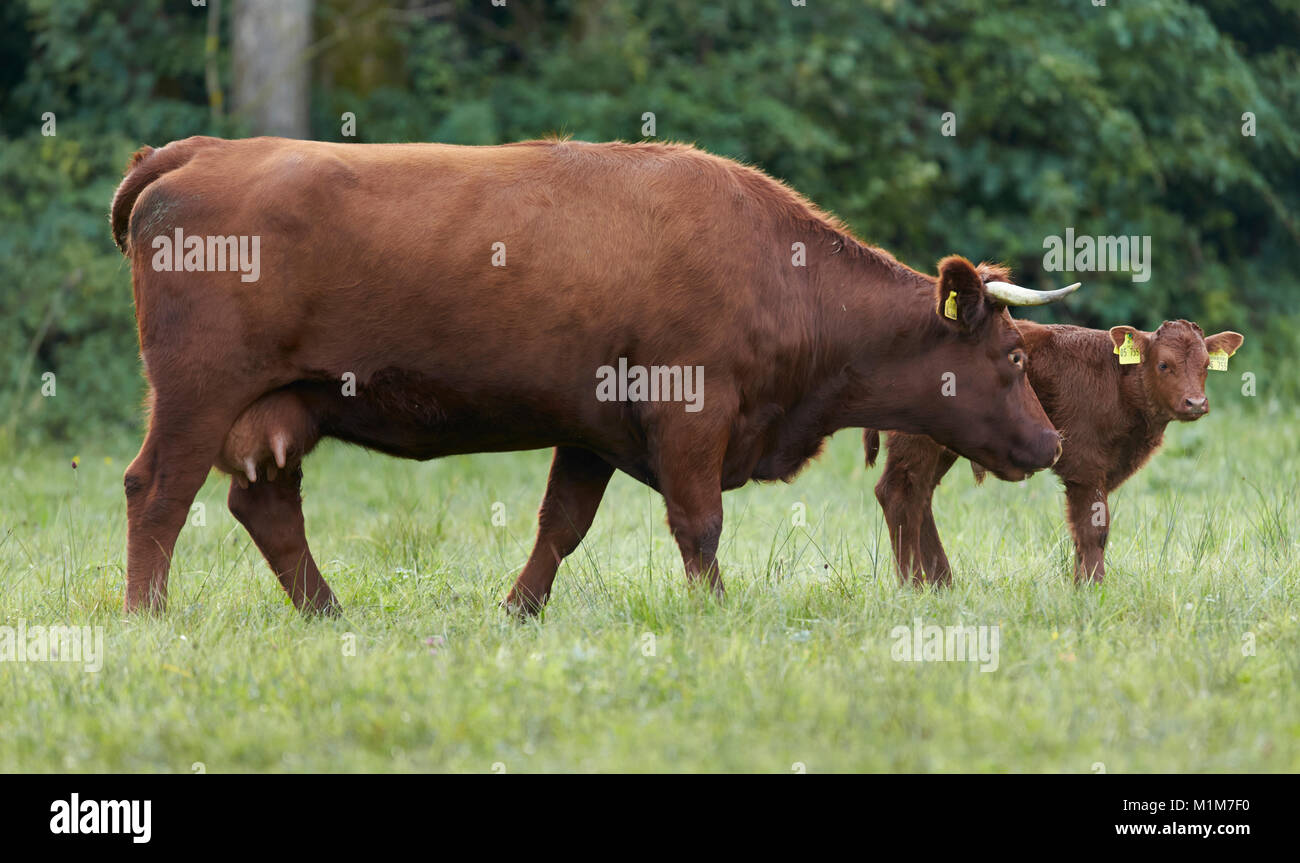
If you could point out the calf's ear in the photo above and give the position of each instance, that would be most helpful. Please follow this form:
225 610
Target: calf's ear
1226 341
960 294
1119 335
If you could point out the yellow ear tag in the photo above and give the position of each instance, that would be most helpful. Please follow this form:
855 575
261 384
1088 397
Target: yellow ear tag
1129 355
1219 360
950 306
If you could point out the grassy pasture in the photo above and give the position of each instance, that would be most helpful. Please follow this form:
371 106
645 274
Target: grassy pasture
1187 659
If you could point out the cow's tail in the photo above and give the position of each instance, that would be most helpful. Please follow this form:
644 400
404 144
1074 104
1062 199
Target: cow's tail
146 165
871 442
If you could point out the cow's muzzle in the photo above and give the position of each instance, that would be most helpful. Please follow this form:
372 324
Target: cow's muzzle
1193 408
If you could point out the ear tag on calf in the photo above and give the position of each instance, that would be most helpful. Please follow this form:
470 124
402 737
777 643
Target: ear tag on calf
1129 355
1219 360
950 306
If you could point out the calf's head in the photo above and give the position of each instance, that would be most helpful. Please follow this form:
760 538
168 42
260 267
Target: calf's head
1173 362
974 395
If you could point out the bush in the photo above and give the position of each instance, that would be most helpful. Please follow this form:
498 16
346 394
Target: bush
1125 119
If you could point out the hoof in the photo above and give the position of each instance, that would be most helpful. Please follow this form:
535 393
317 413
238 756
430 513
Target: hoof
522 609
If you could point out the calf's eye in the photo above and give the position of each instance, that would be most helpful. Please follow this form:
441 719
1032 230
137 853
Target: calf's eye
1164 367
1016 357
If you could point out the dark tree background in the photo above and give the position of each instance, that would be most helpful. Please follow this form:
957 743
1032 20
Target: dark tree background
1119 119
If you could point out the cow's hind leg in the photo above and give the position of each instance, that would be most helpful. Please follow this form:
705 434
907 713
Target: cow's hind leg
161 483
271 512
573 493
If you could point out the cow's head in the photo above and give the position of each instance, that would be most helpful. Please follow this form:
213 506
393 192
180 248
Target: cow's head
970 385
1173 362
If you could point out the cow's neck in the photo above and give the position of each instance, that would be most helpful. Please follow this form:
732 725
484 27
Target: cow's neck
1146 419
1143 406
877 315
861 299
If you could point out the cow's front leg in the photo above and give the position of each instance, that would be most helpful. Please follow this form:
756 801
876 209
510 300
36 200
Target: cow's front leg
573 493
1089 516
695 519
692 490
271 512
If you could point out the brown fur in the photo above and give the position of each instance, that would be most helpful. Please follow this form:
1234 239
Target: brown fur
1112 418
377 262
272 434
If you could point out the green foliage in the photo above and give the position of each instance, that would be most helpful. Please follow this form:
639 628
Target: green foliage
65 305
1123 119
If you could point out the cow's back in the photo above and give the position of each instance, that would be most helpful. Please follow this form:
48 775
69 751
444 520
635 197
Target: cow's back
497 275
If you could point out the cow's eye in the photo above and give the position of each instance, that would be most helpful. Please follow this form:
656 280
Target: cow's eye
1164 367
1017 358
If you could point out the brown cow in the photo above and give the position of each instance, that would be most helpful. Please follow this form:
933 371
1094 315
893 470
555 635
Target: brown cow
1111 416
428 300
272 434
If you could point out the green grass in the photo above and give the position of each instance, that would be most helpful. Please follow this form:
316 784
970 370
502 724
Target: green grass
1146 673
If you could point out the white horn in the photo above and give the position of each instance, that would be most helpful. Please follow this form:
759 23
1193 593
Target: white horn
1014 295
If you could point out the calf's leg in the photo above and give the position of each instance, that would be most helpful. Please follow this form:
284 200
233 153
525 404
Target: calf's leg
573 493
913 468
1089 515
934 560
271 512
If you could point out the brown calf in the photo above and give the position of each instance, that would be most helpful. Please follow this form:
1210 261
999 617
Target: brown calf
1111 415
428 300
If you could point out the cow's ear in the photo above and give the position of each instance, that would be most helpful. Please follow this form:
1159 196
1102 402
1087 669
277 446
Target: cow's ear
1032 335
1120 335
1226 341
960 294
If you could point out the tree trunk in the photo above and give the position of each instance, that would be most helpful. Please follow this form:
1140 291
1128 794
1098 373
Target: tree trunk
272 69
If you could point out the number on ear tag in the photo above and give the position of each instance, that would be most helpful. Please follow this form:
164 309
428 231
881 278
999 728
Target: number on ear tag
1129 355
1219 361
